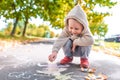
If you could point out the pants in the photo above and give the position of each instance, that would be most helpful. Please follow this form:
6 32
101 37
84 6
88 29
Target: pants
80 51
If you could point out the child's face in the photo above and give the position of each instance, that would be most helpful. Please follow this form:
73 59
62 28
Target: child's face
75 27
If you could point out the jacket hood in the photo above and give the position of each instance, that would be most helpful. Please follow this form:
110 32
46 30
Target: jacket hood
78 14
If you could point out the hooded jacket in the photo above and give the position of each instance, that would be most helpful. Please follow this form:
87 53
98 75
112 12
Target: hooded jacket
84 39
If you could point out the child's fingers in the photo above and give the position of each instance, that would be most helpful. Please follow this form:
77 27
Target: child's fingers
73 49
52 58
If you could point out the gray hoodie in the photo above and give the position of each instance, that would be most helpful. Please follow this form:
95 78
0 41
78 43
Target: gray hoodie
84 39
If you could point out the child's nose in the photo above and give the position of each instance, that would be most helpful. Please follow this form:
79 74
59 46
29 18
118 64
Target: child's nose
73 31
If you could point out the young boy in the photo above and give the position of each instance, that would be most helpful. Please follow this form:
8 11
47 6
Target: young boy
75 39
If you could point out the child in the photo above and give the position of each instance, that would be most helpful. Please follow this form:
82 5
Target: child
75 39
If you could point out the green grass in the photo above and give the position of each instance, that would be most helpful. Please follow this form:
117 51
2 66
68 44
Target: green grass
112 45
112 48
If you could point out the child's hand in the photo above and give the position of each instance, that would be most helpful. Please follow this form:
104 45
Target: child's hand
73 47
73 37
52 56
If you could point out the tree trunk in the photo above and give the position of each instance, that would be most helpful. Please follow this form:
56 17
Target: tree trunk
25 26
14 27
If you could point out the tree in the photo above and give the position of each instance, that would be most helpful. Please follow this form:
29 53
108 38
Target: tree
9 10
56 10
30 10
96 18
53 11
17 10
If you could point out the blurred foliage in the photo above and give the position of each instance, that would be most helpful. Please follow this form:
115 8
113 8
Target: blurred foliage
52 34
54 11
32 30
40 32
95 17
8 29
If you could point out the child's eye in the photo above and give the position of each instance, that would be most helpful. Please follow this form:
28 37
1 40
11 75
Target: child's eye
71 28
76 29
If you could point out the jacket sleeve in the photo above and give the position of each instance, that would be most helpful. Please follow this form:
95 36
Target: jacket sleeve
61 40
85 40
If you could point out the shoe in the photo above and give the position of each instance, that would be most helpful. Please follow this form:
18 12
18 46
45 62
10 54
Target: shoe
84 63
66 60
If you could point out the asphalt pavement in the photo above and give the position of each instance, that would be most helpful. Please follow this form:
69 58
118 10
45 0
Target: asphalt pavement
30 62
